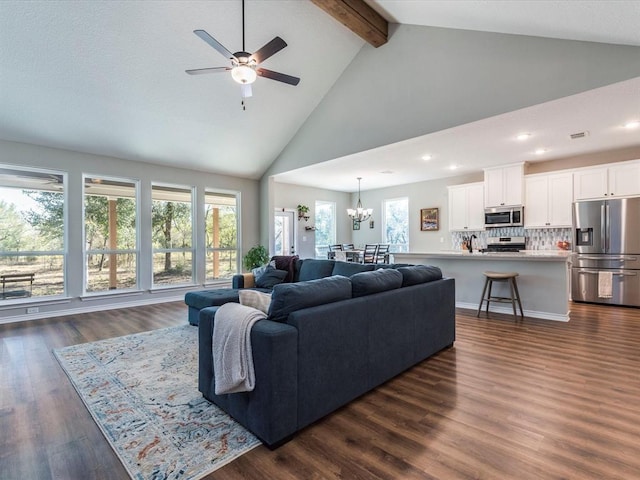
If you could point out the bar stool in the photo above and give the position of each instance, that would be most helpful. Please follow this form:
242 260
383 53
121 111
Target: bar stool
509 277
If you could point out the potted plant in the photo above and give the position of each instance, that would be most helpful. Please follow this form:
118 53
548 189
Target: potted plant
303 212
255 257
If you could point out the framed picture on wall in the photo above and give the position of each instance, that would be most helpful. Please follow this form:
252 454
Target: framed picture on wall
429 219
356 225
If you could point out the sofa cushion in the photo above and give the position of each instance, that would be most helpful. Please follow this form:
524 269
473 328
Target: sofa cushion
416 274
255 299
289 297
366 283
312 269
206 298
271 277
346 269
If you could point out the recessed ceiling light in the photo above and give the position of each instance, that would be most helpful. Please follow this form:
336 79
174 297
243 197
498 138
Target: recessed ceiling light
523 136
453 167
427 157
541 151
633 124
386 172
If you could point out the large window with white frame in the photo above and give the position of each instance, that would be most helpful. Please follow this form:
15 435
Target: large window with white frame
33 223
111 232
396 224
325 224
221 235
172 234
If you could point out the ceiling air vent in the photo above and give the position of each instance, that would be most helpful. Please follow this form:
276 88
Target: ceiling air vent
575 136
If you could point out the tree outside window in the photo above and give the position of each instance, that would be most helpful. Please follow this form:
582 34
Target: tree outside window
325 223
111 234
172 234
221 235
396 224
32 233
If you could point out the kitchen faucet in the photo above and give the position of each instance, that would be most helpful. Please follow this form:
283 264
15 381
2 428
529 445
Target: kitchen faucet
470 243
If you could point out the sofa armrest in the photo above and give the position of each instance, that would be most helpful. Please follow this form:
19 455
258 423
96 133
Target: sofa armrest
243 280
270 411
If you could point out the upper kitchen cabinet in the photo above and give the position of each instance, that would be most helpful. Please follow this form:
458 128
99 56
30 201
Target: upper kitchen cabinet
504 186
615 180
548 200
466 207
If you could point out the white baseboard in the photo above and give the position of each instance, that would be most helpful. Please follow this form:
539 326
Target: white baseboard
558 317
89 309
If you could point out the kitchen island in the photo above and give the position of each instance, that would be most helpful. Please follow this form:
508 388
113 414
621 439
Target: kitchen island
543 278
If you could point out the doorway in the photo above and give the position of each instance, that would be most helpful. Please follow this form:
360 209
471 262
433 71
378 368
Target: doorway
284 232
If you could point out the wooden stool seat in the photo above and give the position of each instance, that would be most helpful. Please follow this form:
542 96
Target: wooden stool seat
509 277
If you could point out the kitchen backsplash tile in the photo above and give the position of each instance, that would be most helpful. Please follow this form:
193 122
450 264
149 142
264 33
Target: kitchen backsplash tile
535 239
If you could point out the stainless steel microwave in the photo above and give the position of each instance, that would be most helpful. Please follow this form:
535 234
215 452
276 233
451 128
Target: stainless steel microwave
503 217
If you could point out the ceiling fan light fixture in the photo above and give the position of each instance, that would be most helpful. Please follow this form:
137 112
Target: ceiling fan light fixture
243 74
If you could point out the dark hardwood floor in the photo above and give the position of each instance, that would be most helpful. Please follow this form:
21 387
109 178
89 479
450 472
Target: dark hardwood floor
528 399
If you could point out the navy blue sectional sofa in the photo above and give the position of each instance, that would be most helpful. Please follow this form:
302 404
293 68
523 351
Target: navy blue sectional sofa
330 338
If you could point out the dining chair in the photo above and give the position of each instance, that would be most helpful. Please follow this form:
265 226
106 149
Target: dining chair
383 253
348 246
333 248
370 252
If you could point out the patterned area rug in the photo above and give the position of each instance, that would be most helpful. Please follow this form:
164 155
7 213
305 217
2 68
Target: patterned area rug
142 392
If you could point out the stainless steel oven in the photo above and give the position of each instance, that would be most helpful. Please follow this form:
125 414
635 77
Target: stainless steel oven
503 217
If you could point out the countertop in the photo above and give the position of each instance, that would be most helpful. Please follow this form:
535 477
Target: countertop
527 255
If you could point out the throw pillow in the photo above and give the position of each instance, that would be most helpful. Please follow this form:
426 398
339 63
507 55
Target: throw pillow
271 277
258 271
285 262
255 299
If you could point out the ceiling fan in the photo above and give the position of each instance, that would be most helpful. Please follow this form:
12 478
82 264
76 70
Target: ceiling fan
245 66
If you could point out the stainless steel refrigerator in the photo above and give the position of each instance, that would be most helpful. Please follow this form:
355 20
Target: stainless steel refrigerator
606 246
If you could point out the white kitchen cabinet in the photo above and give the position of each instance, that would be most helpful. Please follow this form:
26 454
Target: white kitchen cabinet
548 200
466 207
504 186
624 180
614 180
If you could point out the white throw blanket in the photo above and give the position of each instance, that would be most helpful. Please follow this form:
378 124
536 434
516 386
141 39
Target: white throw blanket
605 287
232 356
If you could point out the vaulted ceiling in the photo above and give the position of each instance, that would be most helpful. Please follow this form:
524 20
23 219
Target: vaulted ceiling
109 77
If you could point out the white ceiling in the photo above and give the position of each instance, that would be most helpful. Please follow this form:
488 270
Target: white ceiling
107 77
602 113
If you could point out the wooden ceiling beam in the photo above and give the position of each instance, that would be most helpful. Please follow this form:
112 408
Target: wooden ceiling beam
358 17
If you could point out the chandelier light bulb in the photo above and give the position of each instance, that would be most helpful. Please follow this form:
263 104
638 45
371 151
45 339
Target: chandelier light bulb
359 214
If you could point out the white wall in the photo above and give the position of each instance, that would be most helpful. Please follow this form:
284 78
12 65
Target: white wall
427 79
75 164
287 196
430 194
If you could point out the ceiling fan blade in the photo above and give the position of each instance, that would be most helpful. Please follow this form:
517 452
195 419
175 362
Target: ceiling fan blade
200 71
271 48
280 77
215 44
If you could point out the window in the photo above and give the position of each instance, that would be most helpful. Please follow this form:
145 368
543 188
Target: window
110 234
325 223
32 234
172 235
396 224
221 235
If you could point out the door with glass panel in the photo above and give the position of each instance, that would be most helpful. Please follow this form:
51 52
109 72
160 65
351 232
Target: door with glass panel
284 231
